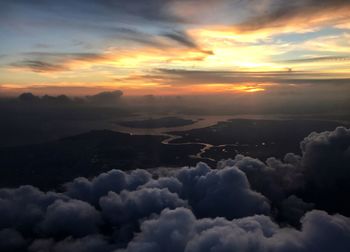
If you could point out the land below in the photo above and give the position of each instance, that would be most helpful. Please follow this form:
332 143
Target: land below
48 165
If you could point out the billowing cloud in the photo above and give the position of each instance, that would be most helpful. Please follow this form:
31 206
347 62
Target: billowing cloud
275 178
179 230
24 207
128 207
326 157
70 218
223 192
112 181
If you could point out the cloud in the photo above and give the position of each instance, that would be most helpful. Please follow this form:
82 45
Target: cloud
326 157
11 240
326 161
275 179
112 181
186 40
320 175
199 77
107 97
46 62
153 11
39 66
224 192
320 59
70 218
25 206
128 207
90 243
279 14
179 230
293 209
181 38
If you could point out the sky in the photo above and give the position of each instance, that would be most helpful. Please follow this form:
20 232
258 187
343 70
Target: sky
174 47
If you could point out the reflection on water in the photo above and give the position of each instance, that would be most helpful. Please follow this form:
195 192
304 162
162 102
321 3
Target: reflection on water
200 122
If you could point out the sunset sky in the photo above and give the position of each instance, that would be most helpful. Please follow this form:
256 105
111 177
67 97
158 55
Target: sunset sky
173 47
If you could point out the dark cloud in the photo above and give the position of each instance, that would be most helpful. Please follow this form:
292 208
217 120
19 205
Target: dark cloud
170 183
90 243
320 175
128 207
326 162
28 97
65 56
133 34
275 178
105 98
182 38
179 230
11 240
152 11
198 77
70 218
25 206
279 13
319 59
326 157
112 181
293 209
42 62
135 21
39 66
224 192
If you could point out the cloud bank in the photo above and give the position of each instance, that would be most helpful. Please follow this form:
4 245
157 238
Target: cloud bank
243 205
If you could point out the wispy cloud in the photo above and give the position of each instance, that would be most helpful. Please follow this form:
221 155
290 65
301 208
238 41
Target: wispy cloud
39 66
319 59
300 14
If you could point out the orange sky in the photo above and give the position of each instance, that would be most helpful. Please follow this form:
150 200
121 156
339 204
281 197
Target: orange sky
234 52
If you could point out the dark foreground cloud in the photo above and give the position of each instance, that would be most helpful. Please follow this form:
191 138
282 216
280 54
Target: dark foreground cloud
224 192
243 205
274 178
70 218
326 157
179 230
91 243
